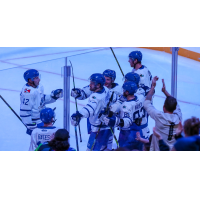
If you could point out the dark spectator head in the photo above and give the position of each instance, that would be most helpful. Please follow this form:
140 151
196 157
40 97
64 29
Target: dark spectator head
170 104
60 141
191 126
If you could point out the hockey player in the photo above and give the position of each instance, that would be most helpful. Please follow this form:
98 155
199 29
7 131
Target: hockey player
33 100
81 94
134 77
46 132
142 90
97 101
58 143
128 114
110 76
135 59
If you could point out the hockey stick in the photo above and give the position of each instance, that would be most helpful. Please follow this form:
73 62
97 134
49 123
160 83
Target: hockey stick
114 137
117 61
76 101
107 107
12 110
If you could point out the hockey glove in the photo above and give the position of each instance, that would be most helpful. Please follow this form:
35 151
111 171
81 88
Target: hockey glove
56 94
110 121
76 118
30 128
76 93
103 113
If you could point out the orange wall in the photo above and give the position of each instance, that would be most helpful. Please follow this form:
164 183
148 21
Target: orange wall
182 52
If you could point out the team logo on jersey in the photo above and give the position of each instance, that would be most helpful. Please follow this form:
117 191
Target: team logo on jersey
27 91
141 75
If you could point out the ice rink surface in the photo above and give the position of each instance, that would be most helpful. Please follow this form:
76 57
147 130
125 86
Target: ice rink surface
86 61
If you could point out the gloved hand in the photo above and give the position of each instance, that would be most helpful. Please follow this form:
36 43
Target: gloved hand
30 128
76 93
110 121
103 112
76 118
56 94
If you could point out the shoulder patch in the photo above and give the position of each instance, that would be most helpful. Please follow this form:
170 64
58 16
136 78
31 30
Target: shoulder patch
124 106
141 75
94 97
27 91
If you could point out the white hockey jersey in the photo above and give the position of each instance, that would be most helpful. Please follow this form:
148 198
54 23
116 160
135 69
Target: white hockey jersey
145 76
33 100
129 111
117 106
41 135
117 89
97 102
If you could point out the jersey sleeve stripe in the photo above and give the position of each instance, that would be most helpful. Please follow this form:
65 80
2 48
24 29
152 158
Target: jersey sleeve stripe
25 115
90 107
24 110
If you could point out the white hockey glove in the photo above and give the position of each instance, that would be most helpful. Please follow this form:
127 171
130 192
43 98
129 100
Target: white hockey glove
76 93
111 121
56 94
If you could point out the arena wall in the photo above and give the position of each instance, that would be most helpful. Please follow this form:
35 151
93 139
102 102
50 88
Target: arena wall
182 52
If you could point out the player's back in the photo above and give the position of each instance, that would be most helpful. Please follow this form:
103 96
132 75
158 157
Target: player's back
145 76
41 135
130 110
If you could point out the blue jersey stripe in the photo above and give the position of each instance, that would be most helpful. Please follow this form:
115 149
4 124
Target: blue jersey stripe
90 107
25 115
24 110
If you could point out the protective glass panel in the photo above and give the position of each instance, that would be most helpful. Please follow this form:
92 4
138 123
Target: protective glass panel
188 93
85 61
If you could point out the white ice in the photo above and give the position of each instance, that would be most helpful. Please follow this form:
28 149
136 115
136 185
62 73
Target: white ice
12 61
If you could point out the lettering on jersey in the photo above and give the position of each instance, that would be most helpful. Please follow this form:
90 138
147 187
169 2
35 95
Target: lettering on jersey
138 106
126 115
141 75
43 137
26 90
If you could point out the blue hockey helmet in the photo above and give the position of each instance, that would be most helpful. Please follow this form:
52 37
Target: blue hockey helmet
46 115
110 73
31 74
98 79
130 87
136 55
134 77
